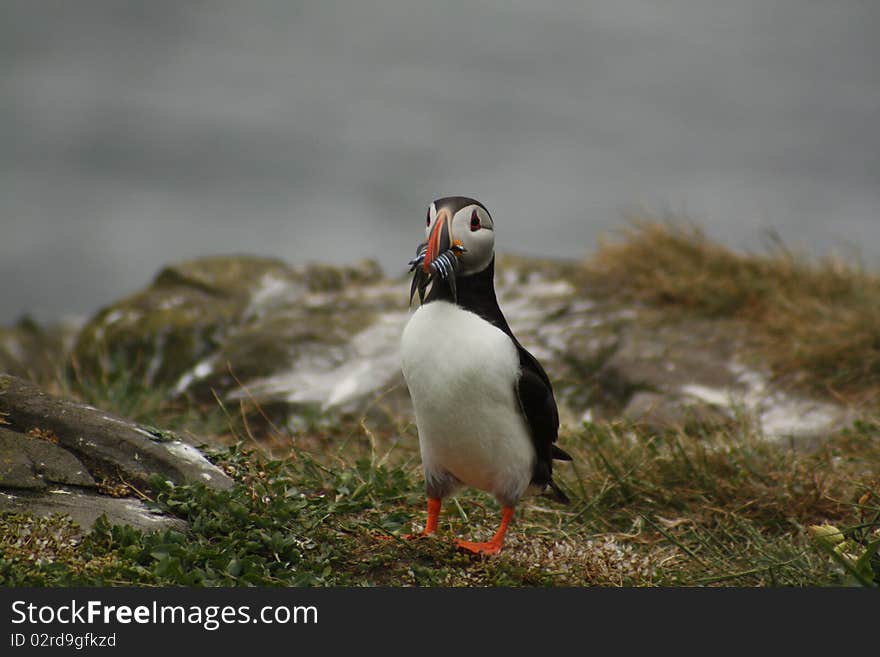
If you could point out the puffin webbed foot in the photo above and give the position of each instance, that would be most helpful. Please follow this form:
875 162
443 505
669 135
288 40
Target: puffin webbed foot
493 546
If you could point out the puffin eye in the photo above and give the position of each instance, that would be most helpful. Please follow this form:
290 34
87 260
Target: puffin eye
428 218
475 221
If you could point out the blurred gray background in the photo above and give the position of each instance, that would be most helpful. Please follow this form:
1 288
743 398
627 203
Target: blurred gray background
136 134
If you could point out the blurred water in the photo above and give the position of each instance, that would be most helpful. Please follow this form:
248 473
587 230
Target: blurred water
136 134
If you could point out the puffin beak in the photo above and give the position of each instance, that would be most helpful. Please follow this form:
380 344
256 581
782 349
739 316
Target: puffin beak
436 258
438 240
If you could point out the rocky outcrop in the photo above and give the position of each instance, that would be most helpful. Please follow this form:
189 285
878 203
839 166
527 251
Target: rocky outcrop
109 444
197 315
59 456
297 340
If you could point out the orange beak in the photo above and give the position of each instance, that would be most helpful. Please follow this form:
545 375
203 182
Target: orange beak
438 240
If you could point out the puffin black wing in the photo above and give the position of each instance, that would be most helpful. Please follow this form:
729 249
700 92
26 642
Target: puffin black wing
476 293
538 405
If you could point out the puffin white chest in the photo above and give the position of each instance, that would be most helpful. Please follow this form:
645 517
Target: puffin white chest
462 373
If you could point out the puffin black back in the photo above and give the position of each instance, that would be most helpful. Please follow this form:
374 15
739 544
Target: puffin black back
476 293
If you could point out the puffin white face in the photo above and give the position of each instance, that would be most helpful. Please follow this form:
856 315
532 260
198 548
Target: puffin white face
463 226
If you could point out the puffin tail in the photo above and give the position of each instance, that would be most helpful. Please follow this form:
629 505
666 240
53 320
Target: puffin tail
555 493
551 488
558 454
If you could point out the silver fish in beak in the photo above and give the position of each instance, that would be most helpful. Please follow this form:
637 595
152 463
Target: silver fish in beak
436 259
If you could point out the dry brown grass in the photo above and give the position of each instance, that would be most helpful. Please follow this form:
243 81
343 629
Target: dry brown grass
816 322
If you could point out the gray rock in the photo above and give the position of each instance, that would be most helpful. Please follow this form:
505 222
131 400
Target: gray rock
109 445
46 441
85 507
666 356
660 412
778 415
27 462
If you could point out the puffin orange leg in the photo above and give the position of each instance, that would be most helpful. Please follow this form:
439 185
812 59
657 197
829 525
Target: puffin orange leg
430 523
493 546
433 515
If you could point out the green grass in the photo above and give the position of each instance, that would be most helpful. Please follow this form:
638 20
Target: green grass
647 510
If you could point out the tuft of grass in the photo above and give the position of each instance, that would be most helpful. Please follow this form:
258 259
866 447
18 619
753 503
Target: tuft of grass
736 507
814 321
127 392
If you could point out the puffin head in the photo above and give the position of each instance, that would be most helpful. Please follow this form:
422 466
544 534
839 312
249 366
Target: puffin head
460 242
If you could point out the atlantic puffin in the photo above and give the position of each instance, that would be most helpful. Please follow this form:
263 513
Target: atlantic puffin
485 411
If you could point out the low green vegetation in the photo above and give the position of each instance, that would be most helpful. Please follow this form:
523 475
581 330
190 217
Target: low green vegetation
647 510
328 505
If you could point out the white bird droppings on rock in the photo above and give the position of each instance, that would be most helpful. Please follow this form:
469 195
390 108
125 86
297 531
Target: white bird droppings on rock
777 414
201 370
113 316
371 364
